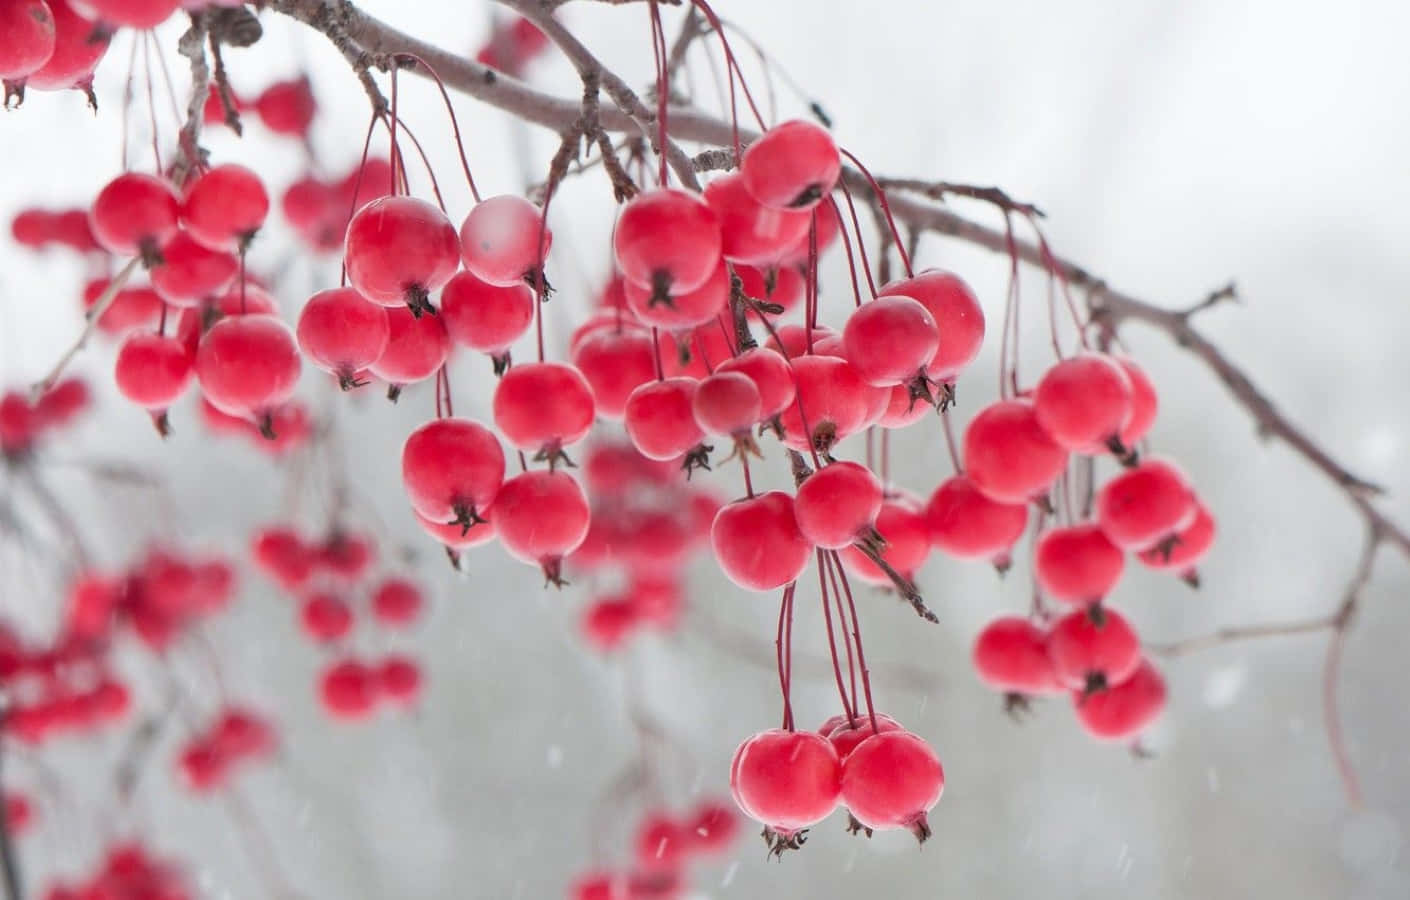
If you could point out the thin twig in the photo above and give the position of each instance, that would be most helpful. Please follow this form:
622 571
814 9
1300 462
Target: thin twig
95 312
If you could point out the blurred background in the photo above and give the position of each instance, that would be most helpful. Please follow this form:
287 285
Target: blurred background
1173 145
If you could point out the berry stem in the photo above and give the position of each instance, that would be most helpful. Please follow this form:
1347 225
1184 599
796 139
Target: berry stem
783 674
95 312
846 246
357 183
856 229
832 639
949 428
880 193
836 562
454 124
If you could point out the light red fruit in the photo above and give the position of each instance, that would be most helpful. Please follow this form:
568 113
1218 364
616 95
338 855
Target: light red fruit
397 602
1144 403
326 618
902 524
1084 402
834 401
499 240
958 317
964 523
1077 564
1008 455
26 37
452 470
399 679
416 348
1123 711
712 827
152 370
786 780
890 340
1011 655
342 334
224 207
757 542
348 689
485 317
727 403
541 517
607 623
615 363
543 407
190 272
660 418
78 48
1192 544
771 374
135 214
892 780
661 842
1145 505
400 249
679 310
838 505
667 240
752 233
284 556
247 365
138 14
793 166
847 734
1093 649
287 107
453 536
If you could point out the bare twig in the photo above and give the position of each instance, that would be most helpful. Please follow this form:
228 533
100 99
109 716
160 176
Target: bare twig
1228 293
1242 633
939 190
95 312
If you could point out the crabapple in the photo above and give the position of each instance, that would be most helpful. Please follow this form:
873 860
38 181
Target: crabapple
958 318
1010 654
891 780
135 214
757 542
607 623
153 370
1093 649
397 602
831 398
965 523
902 525
190 272
348 689
780 286
1008 455
727 404
1084 402
452 470
485 317
1077 564
398 250
399 679
416 348
615 363
78 48
453 536
667 240
138 14
1192 544
838 505
771 374
660 420
326 618
1144 402
224 207
680 310
662 842
1122 711
1146 505
541 517
287 107
26 37
247 365
787 781
752 233
499 241
848 733
343 334
890 340
793 166
543 407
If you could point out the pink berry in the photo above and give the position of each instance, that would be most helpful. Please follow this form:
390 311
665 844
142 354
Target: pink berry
485 317
1093 648
838 505
834 401
828 225
452 470
751 233
135 214
224 207
287 107
1144 403
661 842
1192 543
607 623
964 523
786 780
847 734
416 347
541 517
78 48
1146 505
958 317
727 403
499 240
397 602
615 363
1011 655
793 166
1077 564
1084 402
757 542
890 341
348 689
399 679
543 408
152 370
342 334
400 249
26 37
190 272
891 781
326 618
247 365
712 826
902 524
660 418
676 310
1122 711
667 240
1008 455
771 374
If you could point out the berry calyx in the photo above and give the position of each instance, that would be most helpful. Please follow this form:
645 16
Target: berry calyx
660 420
134 214
1093 649
892 780
486 317
1122 711
452 470
793 166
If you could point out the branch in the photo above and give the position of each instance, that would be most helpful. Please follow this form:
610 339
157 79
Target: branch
1242 633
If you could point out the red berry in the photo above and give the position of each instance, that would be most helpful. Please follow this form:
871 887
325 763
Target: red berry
834 401
598 886
787 780
326 618
771 374
662 842
543 407
499 240
847 734
902 524
792 340
667 240
287 107
1077 564
1008 455
348 689
240 300
242 734
32 228
1143 403
416 348
607 623
783 286
966 524
306 203
677 310
397 602
1093 648
891 781
247 365
62 403
225 207
727 403
486 317
1146 505
615 363
1083 402
958 317
19 814
752 233
133 309
828 224
399 679
452 470
204 767
189 272
890 340
1011 655
135 213
400 249
1122 711
347 556
757 542
26 37
541 517
137 14
283 556
712 827
793 166
838 505
1192 544
78 48
342 334
660 418
152 370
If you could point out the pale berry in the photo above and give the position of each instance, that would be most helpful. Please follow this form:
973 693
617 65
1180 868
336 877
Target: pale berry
1191 545
890 341
607 623
78 48
661 842
786 780
958 317
499 240
838 505
224 207
793 166
135 214
677 310
543 407
615 363
712 826
26 37
660 419
757 542
832 399
398 250
247 365
1077 564
1144 403
965 523
399 679
416 348
348 689
848 733
485 317
892 780
1122 711
342 334
189 272
397 602
727 404
771 374
287 107
1093 649
667 240
152 370
1084 402
1008 455
1010 654
752 233
1146 505
452 470
541 517
326 618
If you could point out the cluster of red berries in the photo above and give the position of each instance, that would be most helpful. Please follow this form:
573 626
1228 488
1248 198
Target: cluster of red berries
325 575
56 690
237 736
319 209
664 846
25 422
128 871
41 229
160 596
53 45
